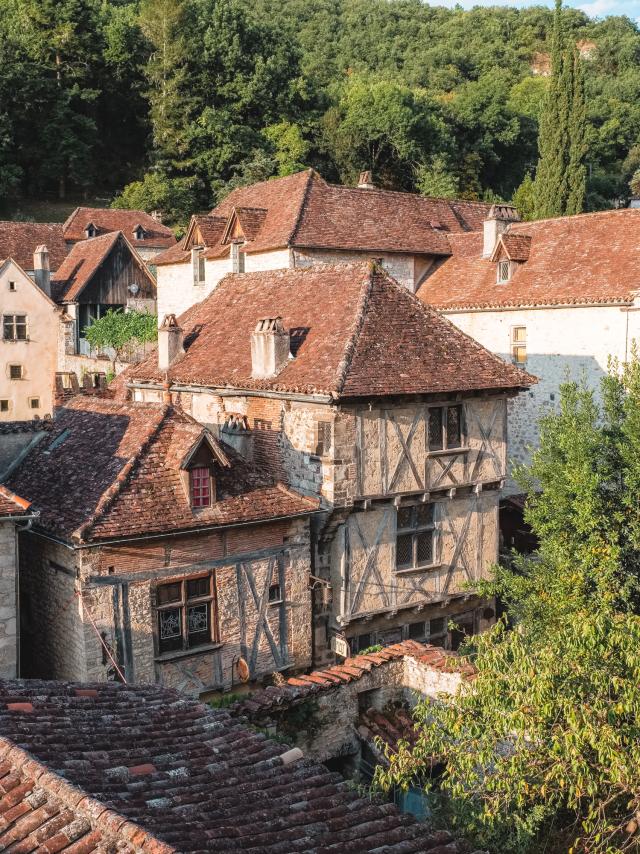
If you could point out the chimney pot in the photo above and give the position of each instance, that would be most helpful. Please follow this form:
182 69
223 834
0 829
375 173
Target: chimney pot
170 342
365 181
270 348
41 269
498 220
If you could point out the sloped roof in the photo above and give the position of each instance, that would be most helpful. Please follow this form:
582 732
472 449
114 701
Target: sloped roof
516 247
112 219
18 240
112 469
11 504
304 211
144 769
574 260
355 332
82 263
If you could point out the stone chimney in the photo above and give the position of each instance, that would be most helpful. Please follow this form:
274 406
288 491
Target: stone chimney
42 273
499 218
270 348
170 342
365 181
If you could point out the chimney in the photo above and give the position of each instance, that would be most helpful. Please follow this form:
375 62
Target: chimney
170 342
365 181
270 348
500 216
157 215
42 273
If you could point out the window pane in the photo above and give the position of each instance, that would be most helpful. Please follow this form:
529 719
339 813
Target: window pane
197 587
198 624
520 355
437 626
454 426
170 629
169 593
416 631
424 554
21 327
519 334
404 551
274 593
405 517
8 327
435 429
424 515
200 487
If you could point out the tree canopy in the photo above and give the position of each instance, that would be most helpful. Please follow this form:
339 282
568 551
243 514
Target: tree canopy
184 99
542 748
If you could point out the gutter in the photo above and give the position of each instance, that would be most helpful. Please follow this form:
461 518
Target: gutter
543 307
226 391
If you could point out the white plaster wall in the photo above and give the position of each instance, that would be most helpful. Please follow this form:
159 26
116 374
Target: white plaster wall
401 267
277 259
571 343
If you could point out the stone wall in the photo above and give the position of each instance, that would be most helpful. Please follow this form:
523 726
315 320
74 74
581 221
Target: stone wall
8 604
568 343
403 268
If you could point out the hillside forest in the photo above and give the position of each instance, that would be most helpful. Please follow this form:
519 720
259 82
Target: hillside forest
170 103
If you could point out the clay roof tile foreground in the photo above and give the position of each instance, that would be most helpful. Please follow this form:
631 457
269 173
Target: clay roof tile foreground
106 767
574 260
354 331
11 504
109 470
18 240
106 220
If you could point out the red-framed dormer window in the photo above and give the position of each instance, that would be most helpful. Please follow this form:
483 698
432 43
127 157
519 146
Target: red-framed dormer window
200 480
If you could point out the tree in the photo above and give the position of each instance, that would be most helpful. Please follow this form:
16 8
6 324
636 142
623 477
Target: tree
175 198
290 148
524 198
561 174
118 330
542 747
436 179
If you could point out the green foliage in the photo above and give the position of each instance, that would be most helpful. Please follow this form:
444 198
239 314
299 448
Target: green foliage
176 197
437 179
117 330
524 198
542 747
370 649
290 147
228 699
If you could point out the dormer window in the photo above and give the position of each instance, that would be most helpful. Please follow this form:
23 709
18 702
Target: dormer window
139 233
504 271
237 257
91 230
200 487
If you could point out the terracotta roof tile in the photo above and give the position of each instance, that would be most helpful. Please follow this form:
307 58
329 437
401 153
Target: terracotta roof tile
112 219
11 504
360 334
215 785
18 240
112 469
576 260
516 246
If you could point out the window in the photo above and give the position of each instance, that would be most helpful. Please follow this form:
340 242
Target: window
201 269
323 445
16 372
237 258
34 403
504 272
200 478
416 631
186 613
91 230
261 424
361 642
12 286
275 594
139 233
438 631
14 327
519 344
4 405
445 427
415 537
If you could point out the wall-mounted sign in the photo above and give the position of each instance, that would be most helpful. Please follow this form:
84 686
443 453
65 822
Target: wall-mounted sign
340 646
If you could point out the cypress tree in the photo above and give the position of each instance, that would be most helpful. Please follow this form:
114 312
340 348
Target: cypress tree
560 183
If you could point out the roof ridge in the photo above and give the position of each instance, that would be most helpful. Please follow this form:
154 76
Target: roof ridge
410 194
101 817
352 341
105 502
314 502
303 205
70 218
584 215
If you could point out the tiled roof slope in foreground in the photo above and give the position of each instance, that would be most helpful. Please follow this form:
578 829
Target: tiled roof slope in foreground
354 332
18 240
108 767
305 212
110 470
572 260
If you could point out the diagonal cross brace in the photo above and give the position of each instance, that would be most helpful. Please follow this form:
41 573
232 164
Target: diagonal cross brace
406 453
371 565
262 624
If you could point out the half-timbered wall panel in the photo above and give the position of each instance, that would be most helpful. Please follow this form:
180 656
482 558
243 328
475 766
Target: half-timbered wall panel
393 449
364 559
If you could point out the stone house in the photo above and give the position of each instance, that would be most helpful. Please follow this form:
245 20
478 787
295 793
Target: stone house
361 395
14 513
145 232
558 297
142 770
302 220
28 343
159 555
